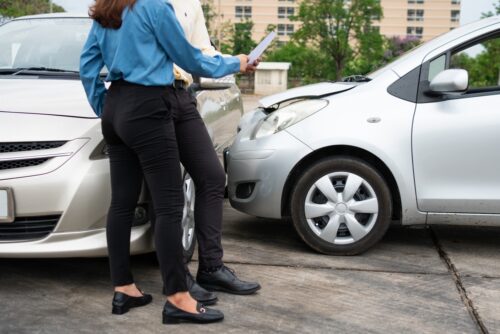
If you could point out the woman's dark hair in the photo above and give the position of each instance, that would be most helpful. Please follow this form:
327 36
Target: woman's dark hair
108 13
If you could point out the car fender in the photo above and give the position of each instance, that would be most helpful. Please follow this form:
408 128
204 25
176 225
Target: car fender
383 129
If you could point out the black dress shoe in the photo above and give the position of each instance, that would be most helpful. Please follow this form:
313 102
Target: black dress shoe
226 280
174 315
197 292
122 303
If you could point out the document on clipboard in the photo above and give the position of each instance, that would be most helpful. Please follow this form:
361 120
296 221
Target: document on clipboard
259 49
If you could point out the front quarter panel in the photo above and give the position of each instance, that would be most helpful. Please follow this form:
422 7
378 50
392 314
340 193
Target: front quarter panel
371 119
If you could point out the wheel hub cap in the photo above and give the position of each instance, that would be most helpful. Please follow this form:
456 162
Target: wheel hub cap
188 213
341 208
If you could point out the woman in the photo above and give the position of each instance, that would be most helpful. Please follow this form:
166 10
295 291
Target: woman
138 41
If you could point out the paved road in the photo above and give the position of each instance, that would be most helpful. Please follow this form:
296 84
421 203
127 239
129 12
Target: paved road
250 102
444 280
440 280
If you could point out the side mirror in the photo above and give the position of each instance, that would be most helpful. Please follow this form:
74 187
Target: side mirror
208 85
450 82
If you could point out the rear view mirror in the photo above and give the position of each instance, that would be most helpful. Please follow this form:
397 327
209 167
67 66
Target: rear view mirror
452 82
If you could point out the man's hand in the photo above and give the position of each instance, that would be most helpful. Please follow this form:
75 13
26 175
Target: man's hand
245 67
253 67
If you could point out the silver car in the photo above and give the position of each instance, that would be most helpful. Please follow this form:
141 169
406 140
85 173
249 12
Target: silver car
417 141
54 169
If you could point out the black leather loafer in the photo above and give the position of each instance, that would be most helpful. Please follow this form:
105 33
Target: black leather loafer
122 303
226 280
199 293
174 315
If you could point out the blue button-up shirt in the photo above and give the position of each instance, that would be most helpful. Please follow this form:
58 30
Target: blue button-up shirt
143 51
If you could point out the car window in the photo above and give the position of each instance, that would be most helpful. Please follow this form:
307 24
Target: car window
436 66
482 62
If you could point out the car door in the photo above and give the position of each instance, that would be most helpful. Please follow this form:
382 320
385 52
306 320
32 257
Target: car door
456 138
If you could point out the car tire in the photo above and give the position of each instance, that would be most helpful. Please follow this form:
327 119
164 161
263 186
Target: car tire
355 223
188 222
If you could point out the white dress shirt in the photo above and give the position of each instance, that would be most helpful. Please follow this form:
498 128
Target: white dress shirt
190 15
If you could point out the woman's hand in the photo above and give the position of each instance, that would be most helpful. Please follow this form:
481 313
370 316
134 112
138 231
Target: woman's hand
245 67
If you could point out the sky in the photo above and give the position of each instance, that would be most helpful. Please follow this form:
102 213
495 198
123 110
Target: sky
471 9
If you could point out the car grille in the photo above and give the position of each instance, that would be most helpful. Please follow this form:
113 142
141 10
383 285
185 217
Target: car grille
21 163
28 228
29 146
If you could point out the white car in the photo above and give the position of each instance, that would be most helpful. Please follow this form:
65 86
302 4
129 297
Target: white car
54 170
417 141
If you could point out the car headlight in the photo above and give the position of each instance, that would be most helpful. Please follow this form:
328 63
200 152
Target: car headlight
287 116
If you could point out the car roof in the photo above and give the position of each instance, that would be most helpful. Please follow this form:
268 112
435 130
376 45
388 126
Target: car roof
54 16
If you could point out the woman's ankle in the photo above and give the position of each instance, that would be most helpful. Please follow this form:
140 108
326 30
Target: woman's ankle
179 297
183 301
130 290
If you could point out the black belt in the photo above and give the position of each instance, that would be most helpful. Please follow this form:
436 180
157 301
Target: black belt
179 84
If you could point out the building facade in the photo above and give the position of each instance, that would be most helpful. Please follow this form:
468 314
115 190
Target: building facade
424 19
261 12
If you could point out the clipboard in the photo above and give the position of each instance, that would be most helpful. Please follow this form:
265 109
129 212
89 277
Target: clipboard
259 49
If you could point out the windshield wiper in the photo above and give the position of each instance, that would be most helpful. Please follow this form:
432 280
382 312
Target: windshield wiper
21 70
356 78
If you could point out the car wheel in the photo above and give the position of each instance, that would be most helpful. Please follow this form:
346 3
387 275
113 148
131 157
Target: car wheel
188 223
341 206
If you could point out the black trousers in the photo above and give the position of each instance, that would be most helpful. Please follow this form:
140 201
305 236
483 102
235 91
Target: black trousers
138 128
200 160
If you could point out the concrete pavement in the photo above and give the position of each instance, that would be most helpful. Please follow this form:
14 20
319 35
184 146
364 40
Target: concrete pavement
444 280
250 102
439 280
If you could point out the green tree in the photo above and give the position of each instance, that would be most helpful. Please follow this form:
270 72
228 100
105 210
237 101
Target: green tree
208 12
370 53
275 44
241 41
343 30
397 46
308 63
497 10
16 8
225 31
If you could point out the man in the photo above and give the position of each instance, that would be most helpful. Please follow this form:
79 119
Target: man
200 160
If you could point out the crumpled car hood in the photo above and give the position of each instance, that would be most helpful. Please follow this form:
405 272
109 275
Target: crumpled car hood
45 97
309 91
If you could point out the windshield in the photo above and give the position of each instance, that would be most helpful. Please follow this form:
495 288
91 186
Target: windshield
54 43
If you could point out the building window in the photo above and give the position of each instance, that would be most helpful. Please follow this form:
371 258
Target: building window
415 15
415 1
455 16
285 29
243 12
285 12
455 2
415 31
